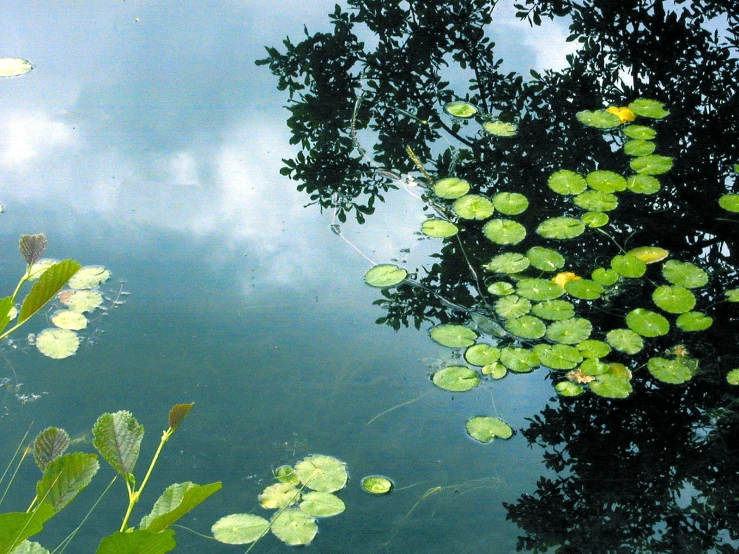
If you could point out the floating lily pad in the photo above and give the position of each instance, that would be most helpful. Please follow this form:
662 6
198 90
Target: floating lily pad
545 259
451 188
684 274
510 262
473 206
649 254
89 277
554 310
512 306
561 228
82 300
520 360
568 388
239 528
482 354
322 473
675 372
643 184
593 367
694 321
67 319
279 495
596 201
57 343
570 331
456 378
584 289
641 132
504 231
294 527
322 504
558 356
385 275
595 219
611 386
732 295
438 228
647 323
733 377
526 327
600 119
538 289
486 428
496 370
286 474
567 182
501 288
463 110
592 348
500 128
605 277
729 202
651 165
606 181
625 340
673 299
649 108
510 203
639 147
628 266
377 484
14 67
452 335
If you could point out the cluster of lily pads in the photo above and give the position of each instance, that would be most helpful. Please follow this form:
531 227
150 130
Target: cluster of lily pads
533 311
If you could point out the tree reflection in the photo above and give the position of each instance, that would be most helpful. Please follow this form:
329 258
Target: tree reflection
656 472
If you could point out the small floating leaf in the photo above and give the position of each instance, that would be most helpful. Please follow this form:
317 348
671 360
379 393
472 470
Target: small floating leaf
592 348
14 67
628 266
611 386
570 331
545 259
452 335
294 527
451 188
593 366
438 228
649 108
567 182
463 110
733 377
595 219
643 184
239 528
625 340
279 495
510 262
675 371
486 428
482 354
638 147
526 327
605 277
568 388
377 484
501 288
322 473
606 181
641 132
732 295
67 319
456 378
510 203
729 202
82 300
561 228
538 289
504 231
512 306
385 275
286 474
652 164
694 321
558 356
647 323
649 254
554 310
565 277
684 274
673 299
600 119
496 370
89 277
500 128
322 504
520 360
596 201
473 206
57 343
584 289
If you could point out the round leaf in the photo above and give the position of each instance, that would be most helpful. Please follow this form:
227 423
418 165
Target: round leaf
510 262
611 386
684 274
554 310
322 504
510 203
473 206
385 275
89 277
596 201
558 356
592 348
278 496
501 288
545 259
239 528
561 228
649 108
569 331
606 181
14 67
639 132
377 484
694 321
456 378
649 254
438 228
566 182
294 527
57 343
673 299
638 147
733 377
729 202
82 300
463 110
512 306
643 184
568 388
322 473
482 354
600 119
652 164
538 289
504 231
452 335
519 360
647 323
605 277
628 266
595 219
584 289
67 319
526 327
451 188
486 428
500 128
625 340
675 371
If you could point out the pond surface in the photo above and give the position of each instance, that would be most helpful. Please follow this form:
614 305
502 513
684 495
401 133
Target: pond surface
147 140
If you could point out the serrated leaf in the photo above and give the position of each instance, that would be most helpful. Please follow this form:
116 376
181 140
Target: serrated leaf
138 542
32 247
50 283
15 527
48 445
118 438
65 477
178 413
176 500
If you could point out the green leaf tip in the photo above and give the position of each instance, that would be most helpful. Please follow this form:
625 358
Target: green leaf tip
178 413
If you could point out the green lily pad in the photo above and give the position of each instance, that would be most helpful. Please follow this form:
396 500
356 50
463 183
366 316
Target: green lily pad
482 354
520 360
584 289
473 206
510 262
545 259
496 370
89 277
611 386
729 202
641 132
278 496
684 274
14 67
451 188
606 181
500 128
733 377
600 119
639 147
452 335
487 325
239 528
486 428
649 108
625 340
286 474
322 504
673 299
595 219
294 527
554 310
456 378
567 182
570 331
504 231
643 184
501 288
322 473
512 306
558 356
561 228
605 277
694 321
377 484
592 348
649 254
647 323
538 289
67 319
593 367
82 300
526 327
510 203
385 275
651 165
568 388
628 266
732 295
57 343
438 228
675 371
464 110
596 201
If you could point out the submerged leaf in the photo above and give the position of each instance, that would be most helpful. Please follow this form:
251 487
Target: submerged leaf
377 484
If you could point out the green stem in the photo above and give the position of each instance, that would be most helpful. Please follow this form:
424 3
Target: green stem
10 463
65 543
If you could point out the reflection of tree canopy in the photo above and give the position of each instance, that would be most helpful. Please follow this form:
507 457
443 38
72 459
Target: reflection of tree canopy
629 462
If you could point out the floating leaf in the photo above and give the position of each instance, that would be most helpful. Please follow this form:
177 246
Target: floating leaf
595 219
500 128
65 477
322 504
452 335
568 388
322 473
694 321
584 289
512 306
675 372
592 348
606 181
279 495
118 437
294 527
504 231
57 343
651 165
286 474
733 377
729 202
486 428
554 310
385 275
684 274
596 201
641 132
561 228
624 115
482 354
520 360
605 277
567 182
558 356
732 295
176 501
538 289
526 327
625 340
463 110
239 528
611 386
510 203
82 300
377 484
456 378
48 445
545 259
628 266
600 119
569 331
593 366
438 228
14 67
473 206
649 254
638 147
451 188
496 370
510 262
89 277
673 299
67 319
649 108
643 184
647 323
501 288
